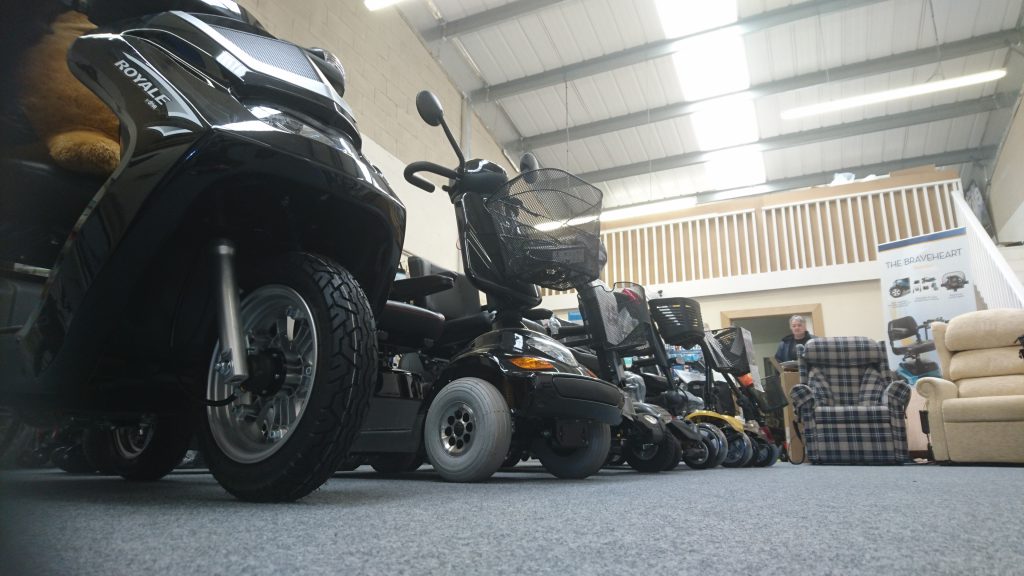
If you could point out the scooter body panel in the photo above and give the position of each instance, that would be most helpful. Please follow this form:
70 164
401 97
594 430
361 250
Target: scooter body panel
564 392
716 418
196 162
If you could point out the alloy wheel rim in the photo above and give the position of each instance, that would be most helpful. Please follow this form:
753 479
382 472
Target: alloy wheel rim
131 441
458 427
275 319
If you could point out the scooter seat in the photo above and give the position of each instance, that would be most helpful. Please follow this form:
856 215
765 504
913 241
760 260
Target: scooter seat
588 360
915 349
409 326
460 331
656 383
39 205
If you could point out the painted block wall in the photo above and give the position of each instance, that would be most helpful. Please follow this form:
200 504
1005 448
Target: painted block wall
386 65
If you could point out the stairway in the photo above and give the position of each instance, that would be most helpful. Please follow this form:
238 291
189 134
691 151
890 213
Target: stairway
1015 258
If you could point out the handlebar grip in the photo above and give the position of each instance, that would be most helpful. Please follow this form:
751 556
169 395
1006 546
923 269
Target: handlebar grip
572 330
412 178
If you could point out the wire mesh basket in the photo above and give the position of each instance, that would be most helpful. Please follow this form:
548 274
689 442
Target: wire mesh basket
624 316
549 229
732 351
678 320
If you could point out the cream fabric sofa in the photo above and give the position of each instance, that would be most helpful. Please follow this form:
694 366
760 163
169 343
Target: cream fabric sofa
976 411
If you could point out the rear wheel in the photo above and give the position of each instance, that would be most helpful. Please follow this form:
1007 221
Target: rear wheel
576 463
650 458
468 430
312 346
141 452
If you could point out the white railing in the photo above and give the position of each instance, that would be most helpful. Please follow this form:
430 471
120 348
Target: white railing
995 281
807 234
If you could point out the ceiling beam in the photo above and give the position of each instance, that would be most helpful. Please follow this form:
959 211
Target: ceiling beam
950 158
661 48
486 19
860 127
901 61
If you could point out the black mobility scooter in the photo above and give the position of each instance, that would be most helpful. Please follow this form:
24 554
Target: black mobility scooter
511 389
618 325
233 262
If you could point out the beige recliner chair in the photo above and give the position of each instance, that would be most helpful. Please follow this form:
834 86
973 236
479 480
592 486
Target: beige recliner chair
976 411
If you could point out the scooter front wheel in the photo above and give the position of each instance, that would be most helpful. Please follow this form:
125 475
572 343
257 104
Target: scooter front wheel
312 353
741 450
576 463
468 430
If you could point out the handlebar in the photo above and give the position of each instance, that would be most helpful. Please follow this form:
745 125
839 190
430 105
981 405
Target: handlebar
423 166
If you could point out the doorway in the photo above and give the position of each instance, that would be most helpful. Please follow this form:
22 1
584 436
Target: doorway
767 326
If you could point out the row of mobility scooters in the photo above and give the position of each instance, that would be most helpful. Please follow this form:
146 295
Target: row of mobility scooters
234 279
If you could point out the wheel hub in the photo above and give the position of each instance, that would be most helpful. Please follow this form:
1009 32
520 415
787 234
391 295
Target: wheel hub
267 371
282 340
457 429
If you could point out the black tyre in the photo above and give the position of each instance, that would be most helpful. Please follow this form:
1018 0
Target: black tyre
741 450
677 455
468 430
72 459
649 458
140 452
396 463
717 445
309 324
576 463
769 459
702 455
895 292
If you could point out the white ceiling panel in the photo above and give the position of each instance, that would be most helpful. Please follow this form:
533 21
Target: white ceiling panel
456 9
575 31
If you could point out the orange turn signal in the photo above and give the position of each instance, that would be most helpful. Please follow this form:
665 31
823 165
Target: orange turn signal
746 380
531 363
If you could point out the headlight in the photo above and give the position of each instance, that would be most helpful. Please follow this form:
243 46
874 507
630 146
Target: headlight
552 350
288 123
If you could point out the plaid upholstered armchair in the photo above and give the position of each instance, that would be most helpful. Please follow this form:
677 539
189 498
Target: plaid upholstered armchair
852 409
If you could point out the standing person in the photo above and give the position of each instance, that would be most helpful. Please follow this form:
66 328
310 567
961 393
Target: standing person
800 335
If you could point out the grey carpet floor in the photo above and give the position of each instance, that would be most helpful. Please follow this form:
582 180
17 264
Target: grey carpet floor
790 520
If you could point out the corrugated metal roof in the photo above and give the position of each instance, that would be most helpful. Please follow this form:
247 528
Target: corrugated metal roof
570 32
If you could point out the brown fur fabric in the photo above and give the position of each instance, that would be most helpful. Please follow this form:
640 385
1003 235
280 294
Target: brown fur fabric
79 130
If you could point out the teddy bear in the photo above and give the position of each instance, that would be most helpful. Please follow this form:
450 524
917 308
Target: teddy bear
79 131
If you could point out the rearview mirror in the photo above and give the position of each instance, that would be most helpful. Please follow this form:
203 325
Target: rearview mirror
429 108
528 162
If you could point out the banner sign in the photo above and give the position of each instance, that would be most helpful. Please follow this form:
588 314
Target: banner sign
924 280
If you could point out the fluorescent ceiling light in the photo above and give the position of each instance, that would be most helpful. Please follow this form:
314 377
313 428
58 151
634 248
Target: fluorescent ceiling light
638 211
735 168
549 226
372 5
896 94
725 122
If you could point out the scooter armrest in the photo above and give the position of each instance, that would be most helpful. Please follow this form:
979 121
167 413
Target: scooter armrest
410 288
538 314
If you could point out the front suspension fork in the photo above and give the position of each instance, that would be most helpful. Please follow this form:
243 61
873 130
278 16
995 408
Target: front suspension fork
233 362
